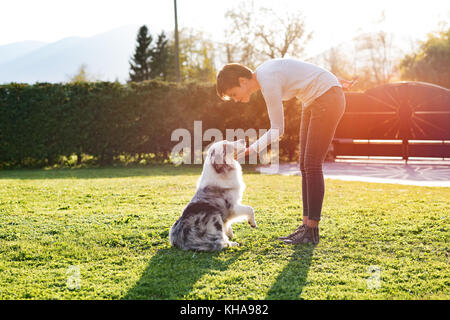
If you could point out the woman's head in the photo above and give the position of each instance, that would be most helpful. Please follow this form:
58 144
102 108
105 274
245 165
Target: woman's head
234 82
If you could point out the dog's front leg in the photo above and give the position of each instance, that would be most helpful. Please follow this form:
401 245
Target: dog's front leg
247 211
229 231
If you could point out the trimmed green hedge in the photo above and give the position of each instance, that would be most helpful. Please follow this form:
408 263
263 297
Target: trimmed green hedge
41 123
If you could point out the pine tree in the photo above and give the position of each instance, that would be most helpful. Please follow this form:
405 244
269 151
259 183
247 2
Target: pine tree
140 63
160 58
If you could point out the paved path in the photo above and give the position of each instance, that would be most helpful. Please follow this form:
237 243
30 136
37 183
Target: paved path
420 174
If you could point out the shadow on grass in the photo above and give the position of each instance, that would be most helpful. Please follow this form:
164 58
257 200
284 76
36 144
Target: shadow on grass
172 273
291 281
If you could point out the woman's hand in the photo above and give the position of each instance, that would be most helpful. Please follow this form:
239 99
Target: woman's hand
346 84
242 155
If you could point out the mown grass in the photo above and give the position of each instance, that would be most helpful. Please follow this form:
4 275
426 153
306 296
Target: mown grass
112 225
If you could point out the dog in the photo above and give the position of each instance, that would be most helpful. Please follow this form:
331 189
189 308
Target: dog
205 224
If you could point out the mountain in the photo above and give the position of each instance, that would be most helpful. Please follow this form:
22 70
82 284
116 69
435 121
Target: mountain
106 56
16 49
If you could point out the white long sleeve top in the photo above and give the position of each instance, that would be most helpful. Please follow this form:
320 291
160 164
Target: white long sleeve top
283 79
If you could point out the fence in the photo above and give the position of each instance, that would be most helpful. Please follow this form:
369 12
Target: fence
406 119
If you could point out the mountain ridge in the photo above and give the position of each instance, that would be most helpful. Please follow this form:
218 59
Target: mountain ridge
106 56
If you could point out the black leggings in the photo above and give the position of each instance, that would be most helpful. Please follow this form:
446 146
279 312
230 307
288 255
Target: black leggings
319 122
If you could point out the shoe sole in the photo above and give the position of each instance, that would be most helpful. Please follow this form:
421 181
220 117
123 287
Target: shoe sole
289 236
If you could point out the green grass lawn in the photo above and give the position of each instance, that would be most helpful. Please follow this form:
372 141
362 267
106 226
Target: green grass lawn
103 234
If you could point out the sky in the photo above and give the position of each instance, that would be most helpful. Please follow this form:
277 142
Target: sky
331 21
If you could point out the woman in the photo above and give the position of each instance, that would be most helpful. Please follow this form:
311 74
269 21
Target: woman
323 102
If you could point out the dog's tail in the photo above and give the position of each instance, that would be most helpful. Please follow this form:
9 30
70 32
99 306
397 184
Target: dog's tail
186 238
206 246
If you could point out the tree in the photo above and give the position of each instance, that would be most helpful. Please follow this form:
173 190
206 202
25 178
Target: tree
160 63
375 52
152 62
375 55
432 61
81 75
196 56
141 61
257 34
336 61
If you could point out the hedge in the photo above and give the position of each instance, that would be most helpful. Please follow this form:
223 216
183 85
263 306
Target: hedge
43 122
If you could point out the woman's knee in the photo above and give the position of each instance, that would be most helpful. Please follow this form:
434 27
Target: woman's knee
311 167
302 166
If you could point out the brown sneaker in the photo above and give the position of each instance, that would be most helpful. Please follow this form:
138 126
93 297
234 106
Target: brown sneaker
299 229
309 235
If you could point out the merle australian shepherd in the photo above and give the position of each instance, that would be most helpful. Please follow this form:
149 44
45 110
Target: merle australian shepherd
205 224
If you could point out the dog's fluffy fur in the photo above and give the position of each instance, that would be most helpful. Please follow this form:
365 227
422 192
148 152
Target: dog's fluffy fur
205 224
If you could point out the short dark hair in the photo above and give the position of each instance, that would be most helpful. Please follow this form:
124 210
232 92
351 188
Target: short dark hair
228 78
